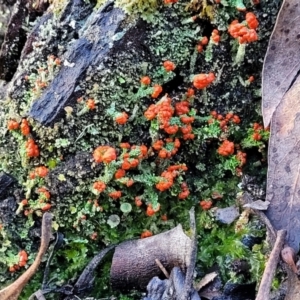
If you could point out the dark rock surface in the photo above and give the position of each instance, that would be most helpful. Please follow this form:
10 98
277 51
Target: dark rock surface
234 291
47 36
5 181
14 40
101 37
7 210
77 166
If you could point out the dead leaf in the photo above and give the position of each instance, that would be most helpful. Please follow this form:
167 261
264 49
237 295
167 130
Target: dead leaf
282 60
259 205
283 182
205 280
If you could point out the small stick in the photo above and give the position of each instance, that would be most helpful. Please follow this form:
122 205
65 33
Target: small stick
266 281
13 291
162 268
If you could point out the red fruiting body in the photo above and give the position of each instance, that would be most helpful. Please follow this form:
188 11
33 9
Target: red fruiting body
202 81
169 66
12 125
146 80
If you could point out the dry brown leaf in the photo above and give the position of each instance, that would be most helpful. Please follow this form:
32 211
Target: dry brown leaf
205 280
282 61
283 183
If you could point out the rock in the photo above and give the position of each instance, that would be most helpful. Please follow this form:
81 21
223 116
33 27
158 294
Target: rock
5 13
95 44
156 288
47 36
227 215
169 289
77 166
7 210
5 182
235 291
14 40
249 240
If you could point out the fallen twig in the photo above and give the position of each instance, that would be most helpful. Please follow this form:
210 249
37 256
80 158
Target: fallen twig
266 281
162 268
13 291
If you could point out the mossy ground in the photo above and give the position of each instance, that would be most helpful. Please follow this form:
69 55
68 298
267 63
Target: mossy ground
171 35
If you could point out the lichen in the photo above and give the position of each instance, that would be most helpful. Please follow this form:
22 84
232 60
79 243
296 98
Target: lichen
66 148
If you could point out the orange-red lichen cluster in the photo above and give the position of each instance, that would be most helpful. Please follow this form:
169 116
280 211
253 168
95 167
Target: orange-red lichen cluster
185 192
32 149
258 130
91 104
169 66
168 176
170 1
41 171
151 211
131 159
145 80
244 32
121 118
225 120
146 233
164 111
104 154
215 36
44 193
203 42
23 258
157 89
241 157
202 81
115 194
166 149
99 186
226 148
13 125
206 204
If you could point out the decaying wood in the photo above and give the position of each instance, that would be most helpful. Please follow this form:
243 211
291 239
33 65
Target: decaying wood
13 291
137 257
266 281
174 249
